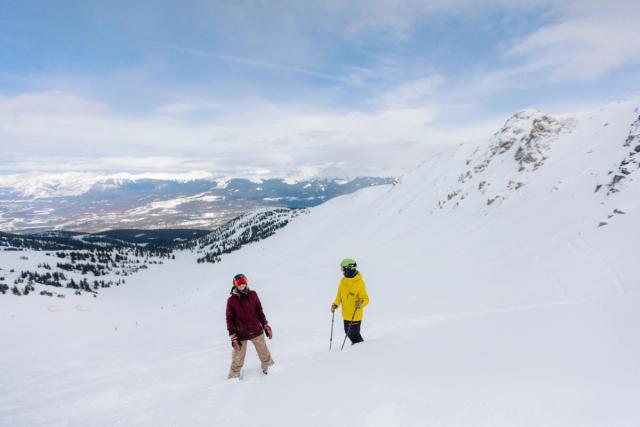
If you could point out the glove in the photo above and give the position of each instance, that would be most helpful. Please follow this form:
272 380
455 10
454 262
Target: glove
235 343
268 331
333 307
359 304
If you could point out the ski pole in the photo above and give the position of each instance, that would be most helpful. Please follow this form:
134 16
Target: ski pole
333 315
349 328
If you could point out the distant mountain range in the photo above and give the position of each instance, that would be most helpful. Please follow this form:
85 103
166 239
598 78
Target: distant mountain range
84 203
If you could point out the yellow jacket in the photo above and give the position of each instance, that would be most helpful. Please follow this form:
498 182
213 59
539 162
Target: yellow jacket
350 290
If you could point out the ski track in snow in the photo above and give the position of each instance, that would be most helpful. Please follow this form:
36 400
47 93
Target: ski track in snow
580 246
442 318
619 280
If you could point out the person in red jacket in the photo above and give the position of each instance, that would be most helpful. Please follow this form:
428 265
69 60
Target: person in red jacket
246 322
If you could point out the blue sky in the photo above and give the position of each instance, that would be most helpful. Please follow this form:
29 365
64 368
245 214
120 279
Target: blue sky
271 87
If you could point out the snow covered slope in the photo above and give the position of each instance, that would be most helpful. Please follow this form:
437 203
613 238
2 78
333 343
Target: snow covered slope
251 227
508 303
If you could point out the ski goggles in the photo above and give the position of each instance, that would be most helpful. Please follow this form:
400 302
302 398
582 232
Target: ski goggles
240 279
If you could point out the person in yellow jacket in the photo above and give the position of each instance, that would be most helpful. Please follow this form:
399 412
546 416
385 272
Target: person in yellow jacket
352 295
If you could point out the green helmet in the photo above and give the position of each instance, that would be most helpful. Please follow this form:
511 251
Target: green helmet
348 263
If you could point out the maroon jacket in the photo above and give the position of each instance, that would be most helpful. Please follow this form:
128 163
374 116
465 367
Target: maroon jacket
244 315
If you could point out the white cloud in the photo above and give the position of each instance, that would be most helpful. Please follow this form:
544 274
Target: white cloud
585 40
413 92
182 108
593 39
86 137
259 63
48 102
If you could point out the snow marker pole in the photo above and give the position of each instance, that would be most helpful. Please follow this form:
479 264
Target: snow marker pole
349 328
333 315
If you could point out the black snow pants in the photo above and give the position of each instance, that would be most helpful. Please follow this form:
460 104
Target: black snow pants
354 332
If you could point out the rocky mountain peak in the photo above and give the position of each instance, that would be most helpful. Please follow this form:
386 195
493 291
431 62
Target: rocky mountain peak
527 135
520 147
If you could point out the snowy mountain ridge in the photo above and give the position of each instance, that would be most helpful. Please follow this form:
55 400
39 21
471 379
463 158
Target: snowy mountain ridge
66 184
46 185
251 227
517 155
520 148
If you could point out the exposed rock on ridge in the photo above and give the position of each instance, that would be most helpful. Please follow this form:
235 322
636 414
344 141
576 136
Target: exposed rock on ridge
521 146
630 163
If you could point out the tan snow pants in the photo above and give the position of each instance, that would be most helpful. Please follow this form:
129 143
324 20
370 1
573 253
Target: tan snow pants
237 357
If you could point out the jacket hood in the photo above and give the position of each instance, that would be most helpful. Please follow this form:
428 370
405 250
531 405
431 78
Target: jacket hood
353 279
350 273
236 292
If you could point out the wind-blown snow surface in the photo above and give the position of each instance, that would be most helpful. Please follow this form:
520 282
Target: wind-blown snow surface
518 312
